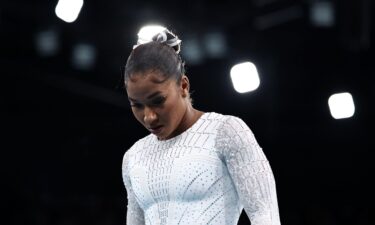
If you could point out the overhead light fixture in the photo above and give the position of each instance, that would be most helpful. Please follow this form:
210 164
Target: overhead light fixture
341 105
68 10
244 77
146 33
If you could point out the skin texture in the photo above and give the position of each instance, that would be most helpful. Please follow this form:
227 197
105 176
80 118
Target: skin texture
161 105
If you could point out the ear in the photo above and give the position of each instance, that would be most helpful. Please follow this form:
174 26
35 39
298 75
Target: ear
185 86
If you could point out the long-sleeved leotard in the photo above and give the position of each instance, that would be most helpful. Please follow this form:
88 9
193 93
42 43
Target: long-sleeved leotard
206 175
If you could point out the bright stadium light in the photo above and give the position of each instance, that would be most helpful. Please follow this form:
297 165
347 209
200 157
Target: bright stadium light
244 77
146 33
68 10
341 105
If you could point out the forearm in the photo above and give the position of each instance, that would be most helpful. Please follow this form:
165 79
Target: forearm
134 218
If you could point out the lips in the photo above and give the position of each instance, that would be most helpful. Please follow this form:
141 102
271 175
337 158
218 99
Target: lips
156 129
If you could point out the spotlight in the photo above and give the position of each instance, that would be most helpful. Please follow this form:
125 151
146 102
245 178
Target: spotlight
341 105
244 77
68 10
146 33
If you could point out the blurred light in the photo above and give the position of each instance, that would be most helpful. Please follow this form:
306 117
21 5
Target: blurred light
192 51
322 14
68 10
47 43
84 56
215 45
244 77
341 105
146 33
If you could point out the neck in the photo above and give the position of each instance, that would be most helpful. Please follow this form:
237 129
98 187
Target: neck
190 117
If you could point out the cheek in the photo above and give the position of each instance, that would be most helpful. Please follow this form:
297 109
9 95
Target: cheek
173 114
138 115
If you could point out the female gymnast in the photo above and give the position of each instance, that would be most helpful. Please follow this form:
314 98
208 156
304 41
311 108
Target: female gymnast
194 167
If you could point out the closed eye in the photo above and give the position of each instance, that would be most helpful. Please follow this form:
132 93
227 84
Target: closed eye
136 105
158 101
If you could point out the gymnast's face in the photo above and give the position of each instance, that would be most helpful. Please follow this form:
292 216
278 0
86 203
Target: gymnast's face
159 104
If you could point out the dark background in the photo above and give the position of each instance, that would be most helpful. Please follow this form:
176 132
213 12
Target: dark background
66 128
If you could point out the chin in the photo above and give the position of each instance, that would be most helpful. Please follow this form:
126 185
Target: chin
163 137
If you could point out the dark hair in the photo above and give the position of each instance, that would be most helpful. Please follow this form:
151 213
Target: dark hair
155 56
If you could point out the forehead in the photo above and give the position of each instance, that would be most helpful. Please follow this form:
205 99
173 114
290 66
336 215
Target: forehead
141 85
151 74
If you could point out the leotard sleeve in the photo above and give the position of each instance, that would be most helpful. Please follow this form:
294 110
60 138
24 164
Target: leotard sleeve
134 214
249 170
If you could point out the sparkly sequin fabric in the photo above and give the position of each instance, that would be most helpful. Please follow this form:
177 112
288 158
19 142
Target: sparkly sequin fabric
206 175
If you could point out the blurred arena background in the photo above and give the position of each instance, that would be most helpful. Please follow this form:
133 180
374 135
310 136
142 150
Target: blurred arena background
67 122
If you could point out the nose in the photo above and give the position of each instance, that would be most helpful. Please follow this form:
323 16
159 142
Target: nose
150 117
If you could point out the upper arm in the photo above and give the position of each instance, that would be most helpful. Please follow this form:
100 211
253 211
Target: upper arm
134 213
250 171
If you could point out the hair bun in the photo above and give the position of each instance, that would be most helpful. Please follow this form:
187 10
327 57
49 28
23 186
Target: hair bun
163 36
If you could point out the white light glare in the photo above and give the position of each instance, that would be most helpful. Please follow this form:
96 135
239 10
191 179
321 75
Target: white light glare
146 33
68 10
244 77
341 105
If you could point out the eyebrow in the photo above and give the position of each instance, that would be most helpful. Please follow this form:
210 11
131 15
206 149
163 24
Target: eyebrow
149 97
